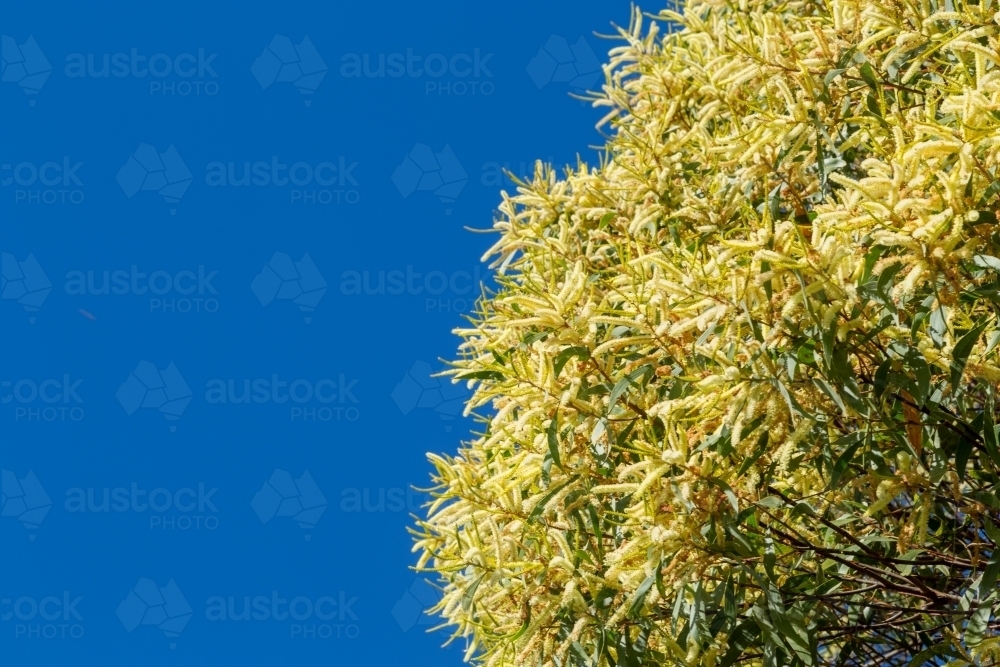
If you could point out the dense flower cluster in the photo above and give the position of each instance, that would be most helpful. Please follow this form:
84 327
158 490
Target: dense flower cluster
741 376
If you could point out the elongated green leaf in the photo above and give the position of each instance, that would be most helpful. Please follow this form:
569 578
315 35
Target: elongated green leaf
481 375
540 507
882 378
758 452
470 593
843 462
960 355
992 531
565 355
640 596
868 74
552 435
990 433
987 262
925 656
729 603
991 572
728 491
622 385
976 629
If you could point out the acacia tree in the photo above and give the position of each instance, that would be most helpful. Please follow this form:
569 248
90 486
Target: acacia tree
740 378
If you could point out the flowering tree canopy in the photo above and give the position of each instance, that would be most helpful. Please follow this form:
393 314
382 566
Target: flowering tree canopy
741 378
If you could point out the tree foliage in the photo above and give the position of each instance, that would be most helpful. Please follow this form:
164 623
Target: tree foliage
741 377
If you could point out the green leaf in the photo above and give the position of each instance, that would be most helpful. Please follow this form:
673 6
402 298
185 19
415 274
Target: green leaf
605 219
868 74
622 385
727 490
537 336
843 461
640 596
540 507
769 557
481 375
923 376
770 502
524 626
470 593
990 192
831 392
991 571
831 75
750 460
872 104
882 378
925 656
740 639
990 433
595 524
962 453
564 356
976 629
992 531
846 57
960 355
730 600
806 352
987 262
553 438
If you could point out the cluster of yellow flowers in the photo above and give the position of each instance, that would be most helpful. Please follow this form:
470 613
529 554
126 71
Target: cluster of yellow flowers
702 325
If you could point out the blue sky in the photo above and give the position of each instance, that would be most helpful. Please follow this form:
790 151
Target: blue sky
235 242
